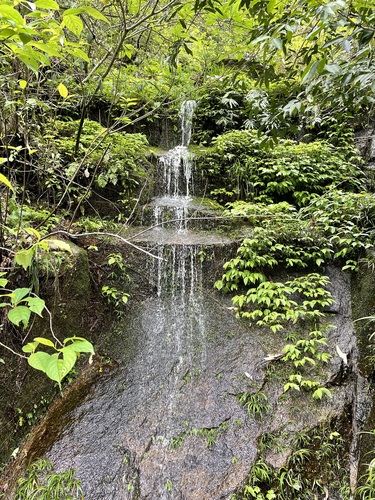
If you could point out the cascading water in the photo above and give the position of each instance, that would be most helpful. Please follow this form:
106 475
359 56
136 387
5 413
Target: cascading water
176 175
121 440
168 423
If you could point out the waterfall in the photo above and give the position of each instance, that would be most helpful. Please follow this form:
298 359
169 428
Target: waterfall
175 170
171 354
186 114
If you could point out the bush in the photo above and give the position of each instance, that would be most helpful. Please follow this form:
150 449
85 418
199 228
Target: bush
103 158
288 171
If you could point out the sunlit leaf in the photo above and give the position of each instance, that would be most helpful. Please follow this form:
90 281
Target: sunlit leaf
19 314
5 181
63 91
36 305
44 341
24 258
39 360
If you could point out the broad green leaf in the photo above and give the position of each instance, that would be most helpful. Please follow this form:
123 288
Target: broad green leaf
19 314
47 4
30 346
25 37
36 305
44 341
271 6
24 258
33 232
10 14
5 181
72 23
69 358
55 368
81 346
278 43
39 360
30 62
311 71
91 11
76 52
52 49
63 91
18 294
3 282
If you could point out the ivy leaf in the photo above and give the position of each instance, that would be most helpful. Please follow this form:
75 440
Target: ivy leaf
19 314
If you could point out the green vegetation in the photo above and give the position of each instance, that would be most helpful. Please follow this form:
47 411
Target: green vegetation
316 452
43 483
282 87
289 171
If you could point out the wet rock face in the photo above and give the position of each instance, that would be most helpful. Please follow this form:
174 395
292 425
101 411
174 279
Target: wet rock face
168 422
184 414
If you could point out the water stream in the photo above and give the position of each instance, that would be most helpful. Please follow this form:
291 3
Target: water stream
170 349
167 423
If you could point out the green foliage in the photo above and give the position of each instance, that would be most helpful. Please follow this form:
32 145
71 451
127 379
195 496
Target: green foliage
104 158
57 365
26 257
288 171
256 404
42 483
116 297
317 452
35 33
366 488
20 304
209 435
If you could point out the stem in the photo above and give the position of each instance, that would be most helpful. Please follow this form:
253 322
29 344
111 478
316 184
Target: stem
13 352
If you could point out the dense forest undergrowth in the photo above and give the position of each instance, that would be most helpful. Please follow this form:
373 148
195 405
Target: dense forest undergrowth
90 95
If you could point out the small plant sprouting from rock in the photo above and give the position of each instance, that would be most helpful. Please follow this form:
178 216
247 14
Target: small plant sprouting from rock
42 482
256 404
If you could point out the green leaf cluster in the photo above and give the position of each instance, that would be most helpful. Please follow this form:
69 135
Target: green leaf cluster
288 171
58 364
104 158
42 482
19 303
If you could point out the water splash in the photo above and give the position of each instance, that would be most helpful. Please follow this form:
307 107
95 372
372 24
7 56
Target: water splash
176 175
176 167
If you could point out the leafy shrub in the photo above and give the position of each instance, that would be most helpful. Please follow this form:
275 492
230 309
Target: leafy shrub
103 158
221 107
289 171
